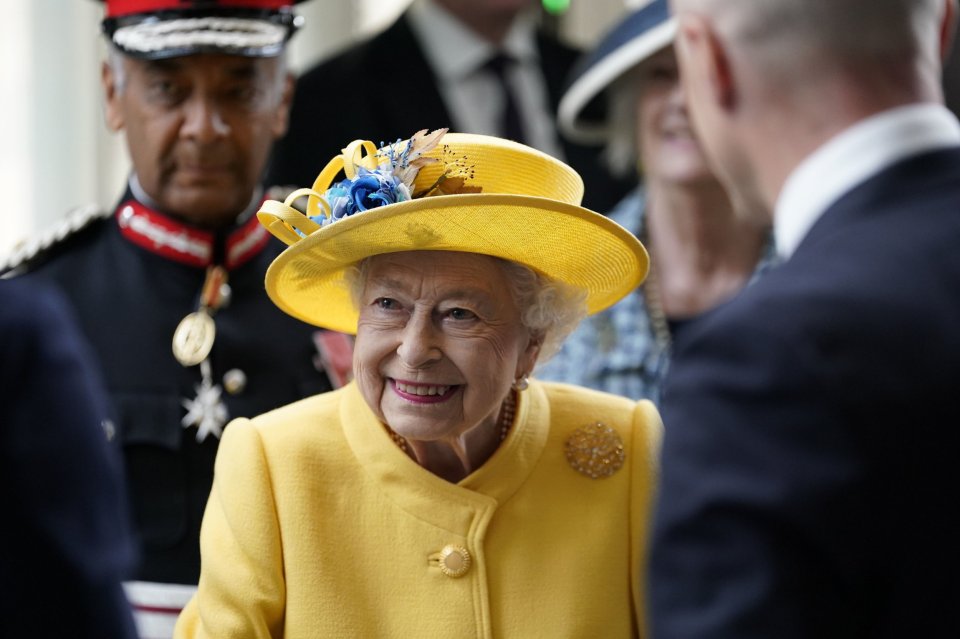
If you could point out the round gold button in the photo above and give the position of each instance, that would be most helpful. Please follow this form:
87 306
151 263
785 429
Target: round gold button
454 561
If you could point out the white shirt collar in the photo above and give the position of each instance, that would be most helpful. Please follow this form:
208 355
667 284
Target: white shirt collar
853 156
455 51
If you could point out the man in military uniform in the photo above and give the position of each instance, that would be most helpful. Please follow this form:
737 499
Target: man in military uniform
168 286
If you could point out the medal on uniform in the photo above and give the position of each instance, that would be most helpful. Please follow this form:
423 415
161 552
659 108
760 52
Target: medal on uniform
206 411
192 344
193 339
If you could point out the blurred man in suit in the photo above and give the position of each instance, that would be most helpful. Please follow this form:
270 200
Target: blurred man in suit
811 438
66 543
482 66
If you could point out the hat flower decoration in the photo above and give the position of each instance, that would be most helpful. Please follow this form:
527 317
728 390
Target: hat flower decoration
390 181
441 191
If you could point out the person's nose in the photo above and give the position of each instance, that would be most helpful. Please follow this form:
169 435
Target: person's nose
203 120
678 96
419 342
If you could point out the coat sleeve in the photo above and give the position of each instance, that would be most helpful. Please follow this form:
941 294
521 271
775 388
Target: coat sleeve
241 591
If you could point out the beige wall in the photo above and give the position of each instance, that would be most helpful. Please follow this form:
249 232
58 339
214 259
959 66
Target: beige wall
56 152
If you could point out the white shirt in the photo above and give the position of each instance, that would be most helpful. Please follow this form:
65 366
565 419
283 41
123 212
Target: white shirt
852 157
473 95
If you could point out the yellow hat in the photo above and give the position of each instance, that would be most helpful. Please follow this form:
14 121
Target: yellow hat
443 192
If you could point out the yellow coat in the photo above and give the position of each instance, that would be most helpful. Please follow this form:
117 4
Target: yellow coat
318 526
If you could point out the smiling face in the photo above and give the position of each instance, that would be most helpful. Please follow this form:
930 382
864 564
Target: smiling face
439 342
199 129
669 149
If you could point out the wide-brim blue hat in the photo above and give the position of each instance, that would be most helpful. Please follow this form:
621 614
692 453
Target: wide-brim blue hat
633 40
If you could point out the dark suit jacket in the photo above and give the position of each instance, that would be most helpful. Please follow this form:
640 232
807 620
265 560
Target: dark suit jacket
384 89
65 543
812 431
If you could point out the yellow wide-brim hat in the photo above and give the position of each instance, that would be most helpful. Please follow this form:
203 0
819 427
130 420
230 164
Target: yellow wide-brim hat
473 193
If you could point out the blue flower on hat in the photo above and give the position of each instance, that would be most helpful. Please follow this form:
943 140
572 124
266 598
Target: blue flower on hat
391 180
369 189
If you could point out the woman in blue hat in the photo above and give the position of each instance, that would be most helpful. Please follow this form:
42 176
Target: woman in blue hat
701 252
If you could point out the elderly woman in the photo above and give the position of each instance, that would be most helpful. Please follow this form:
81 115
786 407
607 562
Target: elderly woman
441 493
703 252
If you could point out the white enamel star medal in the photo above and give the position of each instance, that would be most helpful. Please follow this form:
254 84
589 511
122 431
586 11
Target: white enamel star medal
206 411
192 344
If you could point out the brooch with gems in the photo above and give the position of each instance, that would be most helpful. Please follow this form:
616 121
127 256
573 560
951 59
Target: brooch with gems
595 450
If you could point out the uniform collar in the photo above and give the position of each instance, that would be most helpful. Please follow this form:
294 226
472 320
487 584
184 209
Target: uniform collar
142 224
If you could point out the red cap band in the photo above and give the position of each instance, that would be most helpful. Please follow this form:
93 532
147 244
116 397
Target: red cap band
120 8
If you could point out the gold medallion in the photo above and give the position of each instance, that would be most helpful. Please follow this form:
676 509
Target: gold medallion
193 339
595 450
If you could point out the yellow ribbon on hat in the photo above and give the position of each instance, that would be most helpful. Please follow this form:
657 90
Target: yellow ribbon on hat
290 225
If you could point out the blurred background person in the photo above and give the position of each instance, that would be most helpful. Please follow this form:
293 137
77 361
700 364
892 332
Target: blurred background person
442 493
483 66
809 459
67 542
702 252
168 284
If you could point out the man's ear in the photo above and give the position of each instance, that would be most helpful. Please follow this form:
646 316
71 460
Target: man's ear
282 119
113 114
705 61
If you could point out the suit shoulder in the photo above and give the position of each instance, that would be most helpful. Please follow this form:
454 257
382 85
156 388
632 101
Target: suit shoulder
30 310
79 223
352 63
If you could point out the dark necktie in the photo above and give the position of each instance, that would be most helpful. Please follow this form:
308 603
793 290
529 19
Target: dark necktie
511 127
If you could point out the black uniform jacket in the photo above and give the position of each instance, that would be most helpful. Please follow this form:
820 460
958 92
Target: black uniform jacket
132 277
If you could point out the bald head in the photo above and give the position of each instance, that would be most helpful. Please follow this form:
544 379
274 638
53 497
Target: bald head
799 72
793 34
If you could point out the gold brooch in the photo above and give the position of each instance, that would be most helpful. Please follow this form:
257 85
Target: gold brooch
595 450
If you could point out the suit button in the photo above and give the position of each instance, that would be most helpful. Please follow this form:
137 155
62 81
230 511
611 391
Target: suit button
454 561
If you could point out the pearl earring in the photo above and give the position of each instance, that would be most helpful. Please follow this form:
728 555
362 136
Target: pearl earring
520 384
